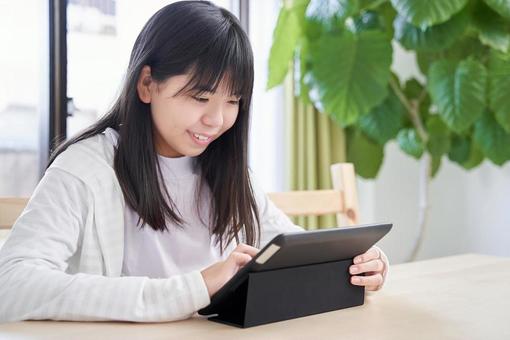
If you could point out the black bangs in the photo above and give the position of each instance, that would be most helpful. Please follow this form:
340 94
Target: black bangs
226 59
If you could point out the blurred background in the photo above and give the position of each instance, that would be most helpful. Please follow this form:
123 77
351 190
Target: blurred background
63 63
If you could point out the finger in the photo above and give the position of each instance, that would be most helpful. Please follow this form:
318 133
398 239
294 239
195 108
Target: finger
373 288
370 266
372 280
239 259
244 248
371 254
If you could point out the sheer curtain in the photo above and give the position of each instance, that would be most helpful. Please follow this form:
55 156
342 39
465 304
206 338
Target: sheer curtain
314 142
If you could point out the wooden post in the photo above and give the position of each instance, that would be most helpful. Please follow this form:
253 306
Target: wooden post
344 180
10 209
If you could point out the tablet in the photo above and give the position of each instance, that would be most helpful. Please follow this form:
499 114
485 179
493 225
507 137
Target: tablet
303 248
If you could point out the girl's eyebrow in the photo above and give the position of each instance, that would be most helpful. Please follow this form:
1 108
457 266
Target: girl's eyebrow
198 88
203 89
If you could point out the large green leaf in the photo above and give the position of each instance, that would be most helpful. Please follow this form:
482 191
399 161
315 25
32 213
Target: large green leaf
435 165
330 14
464 152
458 91
459 150
380 19
424 13
439 137
410 143
387 17
350 73
301 66
384 121
367 20
328 11
413 88
285 38
499 87
465 46
430 38
492 139
500 6
475 157
492 29
415 91
371 4
366 155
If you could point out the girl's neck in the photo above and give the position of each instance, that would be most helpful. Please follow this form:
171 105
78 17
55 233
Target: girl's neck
178 166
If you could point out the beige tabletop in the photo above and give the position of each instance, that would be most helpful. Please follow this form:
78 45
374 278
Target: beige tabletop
458 297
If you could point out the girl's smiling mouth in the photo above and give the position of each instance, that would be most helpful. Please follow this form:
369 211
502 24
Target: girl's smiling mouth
200 138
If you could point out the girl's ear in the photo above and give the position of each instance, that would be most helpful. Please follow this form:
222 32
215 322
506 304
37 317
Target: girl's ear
143 85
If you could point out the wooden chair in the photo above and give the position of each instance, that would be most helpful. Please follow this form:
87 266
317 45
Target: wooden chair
10 209
342 200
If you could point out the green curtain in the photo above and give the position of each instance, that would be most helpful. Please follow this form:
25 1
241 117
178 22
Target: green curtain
314 142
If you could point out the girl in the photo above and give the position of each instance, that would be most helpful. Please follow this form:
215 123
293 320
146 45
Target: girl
147 213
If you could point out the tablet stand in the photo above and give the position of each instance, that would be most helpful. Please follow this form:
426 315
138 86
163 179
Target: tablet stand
288 293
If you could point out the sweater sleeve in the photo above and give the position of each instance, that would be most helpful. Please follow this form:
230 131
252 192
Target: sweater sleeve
34 263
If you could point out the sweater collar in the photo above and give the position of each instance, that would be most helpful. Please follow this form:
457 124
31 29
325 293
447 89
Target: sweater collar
177 167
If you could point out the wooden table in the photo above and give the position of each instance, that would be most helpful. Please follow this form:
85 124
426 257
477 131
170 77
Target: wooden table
458 297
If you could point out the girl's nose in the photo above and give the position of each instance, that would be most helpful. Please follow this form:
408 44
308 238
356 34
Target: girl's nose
214 117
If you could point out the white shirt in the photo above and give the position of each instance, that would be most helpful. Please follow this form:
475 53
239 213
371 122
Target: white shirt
181 249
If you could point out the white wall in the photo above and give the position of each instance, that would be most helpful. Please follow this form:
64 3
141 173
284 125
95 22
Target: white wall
468 210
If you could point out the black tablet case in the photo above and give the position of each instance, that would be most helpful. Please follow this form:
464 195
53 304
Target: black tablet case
287 293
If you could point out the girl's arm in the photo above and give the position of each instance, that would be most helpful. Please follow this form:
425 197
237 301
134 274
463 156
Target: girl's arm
35 275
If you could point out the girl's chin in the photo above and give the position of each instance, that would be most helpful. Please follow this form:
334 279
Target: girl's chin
186 150
195 153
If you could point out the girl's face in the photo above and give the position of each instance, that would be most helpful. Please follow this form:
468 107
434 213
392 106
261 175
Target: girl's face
186 124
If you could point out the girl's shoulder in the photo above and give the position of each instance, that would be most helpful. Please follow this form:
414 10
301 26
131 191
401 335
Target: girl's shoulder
88 157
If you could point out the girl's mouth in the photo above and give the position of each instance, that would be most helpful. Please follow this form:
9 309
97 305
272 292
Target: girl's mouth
200 138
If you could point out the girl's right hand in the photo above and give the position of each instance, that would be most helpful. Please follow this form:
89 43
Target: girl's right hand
216 275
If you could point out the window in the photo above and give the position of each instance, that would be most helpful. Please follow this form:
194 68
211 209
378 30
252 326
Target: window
23 93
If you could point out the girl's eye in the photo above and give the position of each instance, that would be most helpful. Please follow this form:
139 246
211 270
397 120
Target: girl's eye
201 100
234 102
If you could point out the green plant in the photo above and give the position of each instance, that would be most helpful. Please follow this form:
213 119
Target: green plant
342 54
342 50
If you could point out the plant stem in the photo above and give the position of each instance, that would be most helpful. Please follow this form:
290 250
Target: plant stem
425 165
421 97
412 110
423 205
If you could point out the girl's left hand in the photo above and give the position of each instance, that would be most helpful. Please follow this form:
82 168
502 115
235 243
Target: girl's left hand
374 264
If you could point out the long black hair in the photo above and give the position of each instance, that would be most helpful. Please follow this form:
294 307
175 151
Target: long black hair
207 42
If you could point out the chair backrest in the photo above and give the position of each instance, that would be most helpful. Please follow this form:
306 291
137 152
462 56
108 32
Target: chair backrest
342 200
10 209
